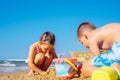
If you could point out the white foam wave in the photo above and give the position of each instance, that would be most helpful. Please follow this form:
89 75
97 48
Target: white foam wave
8 64
15 59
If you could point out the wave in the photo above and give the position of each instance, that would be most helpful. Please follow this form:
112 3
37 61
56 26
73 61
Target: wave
12 62
15 59
6 63
13 65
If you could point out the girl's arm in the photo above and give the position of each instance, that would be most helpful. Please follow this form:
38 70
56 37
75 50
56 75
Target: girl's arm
31 58
54 53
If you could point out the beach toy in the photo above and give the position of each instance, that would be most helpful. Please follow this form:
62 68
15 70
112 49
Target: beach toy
105 73
119 77
66 68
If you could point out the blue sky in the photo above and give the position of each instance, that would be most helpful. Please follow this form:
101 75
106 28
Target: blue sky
23 21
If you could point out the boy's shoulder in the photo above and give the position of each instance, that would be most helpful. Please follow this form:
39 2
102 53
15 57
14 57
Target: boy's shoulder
97 35
110 25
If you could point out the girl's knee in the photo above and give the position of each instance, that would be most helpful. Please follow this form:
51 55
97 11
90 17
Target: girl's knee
39 58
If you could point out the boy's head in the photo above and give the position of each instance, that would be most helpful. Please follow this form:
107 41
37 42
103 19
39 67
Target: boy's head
82 32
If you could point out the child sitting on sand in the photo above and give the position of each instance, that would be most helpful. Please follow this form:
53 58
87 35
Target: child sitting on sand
42 53
105 38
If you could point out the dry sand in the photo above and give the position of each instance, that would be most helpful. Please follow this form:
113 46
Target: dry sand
49 75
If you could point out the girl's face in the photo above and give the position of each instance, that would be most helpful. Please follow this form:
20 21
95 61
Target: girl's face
46 48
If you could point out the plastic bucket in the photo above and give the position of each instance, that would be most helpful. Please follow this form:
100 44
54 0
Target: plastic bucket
66 68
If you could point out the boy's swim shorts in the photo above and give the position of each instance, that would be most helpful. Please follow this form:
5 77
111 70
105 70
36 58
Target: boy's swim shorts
108 58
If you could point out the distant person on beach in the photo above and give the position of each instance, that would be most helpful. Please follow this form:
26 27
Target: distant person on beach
42 53
106 37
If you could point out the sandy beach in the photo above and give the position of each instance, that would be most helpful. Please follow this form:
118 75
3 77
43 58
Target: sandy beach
49 75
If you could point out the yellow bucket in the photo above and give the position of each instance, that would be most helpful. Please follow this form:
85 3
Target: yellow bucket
105 73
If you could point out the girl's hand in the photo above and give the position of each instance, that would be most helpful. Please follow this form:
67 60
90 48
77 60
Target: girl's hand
59 60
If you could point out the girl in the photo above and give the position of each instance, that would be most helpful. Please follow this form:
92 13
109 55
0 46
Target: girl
42 53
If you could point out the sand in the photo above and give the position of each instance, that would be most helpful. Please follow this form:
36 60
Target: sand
49 75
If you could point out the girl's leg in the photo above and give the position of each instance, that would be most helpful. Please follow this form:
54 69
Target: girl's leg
47 61
39 58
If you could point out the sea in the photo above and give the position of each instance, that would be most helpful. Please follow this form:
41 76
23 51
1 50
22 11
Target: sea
13 65
17 65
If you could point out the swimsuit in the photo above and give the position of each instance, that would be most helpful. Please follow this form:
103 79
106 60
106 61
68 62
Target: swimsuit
38 51
108 58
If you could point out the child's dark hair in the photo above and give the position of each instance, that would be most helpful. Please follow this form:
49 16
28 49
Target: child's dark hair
48 36
85 26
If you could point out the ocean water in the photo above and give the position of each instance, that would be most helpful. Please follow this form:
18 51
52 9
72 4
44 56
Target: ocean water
16 65
13 65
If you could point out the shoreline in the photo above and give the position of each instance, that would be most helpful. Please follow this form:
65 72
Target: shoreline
48 75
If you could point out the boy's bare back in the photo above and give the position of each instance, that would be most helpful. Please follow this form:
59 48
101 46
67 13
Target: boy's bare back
104 37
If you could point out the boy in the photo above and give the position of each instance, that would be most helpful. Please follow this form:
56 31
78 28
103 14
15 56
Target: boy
42 53
104 38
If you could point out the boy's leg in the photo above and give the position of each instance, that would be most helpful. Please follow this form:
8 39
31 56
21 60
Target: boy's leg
116 66
87 68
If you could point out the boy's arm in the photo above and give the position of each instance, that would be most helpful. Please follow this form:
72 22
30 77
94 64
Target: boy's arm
94 48
31 60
